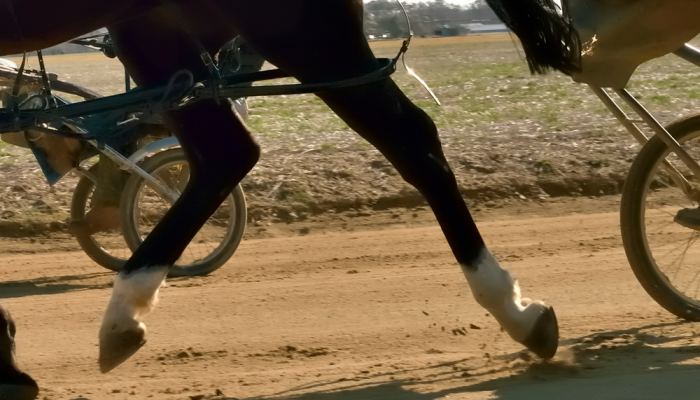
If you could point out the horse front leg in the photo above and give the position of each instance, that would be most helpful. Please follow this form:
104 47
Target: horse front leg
14 384
219 149
220 153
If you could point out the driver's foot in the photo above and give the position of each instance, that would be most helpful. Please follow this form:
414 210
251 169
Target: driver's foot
98 219
689 218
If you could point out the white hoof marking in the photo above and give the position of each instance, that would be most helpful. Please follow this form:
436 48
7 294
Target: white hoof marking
134 295
495 289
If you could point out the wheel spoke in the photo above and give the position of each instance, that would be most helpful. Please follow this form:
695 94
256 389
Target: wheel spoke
668 248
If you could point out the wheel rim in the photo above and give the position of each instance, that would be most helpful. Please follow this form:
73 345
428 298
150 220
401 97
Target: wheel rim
673 250
210 241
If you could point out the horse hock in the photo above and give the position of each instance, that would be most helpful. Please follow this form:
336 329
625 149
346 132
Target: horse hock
122 333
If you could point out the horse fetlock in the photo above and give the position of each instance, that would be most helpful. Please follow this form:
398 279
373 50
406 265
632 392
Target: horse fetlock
137 292
122 333
528 322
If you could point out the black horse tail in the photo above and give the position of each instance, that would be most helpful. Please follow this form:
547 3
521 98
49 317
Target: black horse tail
548 38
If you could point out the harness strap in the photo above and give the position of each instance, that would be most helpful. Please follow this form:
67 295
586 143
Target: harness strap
207 59
9 9
388 66
203 53
45 79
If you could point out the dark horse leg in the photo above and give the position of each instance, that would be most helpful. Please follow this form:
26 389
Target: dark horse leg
321 40
219 149
14 384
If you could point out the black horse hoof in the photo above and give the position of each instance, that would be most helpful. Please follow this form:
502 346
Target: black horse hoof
117 347
22 388
544 338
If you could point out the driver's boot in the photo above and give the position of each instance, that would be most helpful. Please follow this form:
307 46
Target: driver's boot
689 218
98 219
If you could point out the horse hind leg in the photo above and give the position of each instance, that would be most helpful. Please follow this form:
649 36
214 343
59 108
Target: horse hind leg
409 140
406 136
14 384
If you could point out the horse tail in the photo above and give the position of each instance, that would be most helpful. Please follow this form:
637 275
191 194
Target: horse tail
548 37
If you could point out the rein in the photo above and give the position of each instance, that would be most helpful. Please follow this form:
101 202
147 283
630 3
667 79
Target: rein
402 54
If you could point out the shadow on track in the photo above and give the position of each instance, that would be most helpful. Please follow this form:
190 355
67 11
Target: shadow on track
649 362
55 284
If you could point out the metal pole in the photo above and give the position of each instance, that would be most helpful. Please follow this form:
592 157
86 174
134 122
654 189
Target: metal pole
127 80
124 163
619 114
689 53
632 128
660 131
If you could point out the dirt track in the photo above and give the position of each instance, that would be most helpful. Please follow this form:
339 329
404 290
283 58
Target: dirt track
364 308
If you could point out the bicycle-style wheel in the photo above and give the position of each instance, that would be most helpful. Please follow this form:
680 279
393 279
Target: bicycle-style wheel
108 249
142 208
664 255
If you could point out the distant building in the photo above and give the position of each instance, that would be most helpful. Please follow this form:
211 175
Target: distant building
475 29
447 31
470 29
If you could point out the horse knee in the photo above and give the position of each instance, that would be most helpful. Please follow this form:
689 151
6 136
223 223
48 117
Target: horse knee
215 140
243 160
244 154
227 164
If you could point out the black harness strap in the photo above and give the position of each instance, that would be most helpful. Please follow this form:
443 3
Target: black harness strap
8 9
207 59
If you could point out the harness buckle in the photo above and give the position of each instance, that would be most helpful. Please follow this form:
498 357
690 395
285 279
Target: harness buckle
206 58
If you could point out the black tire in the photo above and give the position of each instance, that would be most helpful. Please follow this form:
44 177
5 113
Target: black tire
645 179
131 219
80 201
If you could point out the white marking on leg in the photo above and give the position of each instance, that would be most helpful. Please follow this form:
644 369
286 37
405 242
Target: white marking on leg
134 295
495 289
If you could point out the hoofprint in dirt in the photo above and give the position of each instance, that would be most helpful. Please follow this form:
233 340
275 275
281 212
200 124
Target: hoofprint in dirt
372 307
506 134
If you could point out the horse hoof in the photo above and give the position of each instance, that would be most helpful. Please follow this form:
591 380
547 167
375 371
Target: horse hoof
117 347
544 338
19 391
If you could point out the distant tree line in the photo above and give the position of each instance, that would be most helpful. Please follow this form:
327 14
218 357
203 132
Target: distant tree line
384 17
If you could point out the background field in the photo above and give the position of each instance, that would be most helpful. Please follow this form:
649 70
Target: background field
507 134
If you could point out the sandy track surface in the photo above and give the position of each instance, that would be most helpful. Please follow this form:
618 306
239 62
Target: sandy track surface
373 308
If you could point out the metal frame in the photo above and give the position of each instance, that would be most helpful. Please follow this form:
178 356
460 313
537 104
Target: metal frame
690 54
138 105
